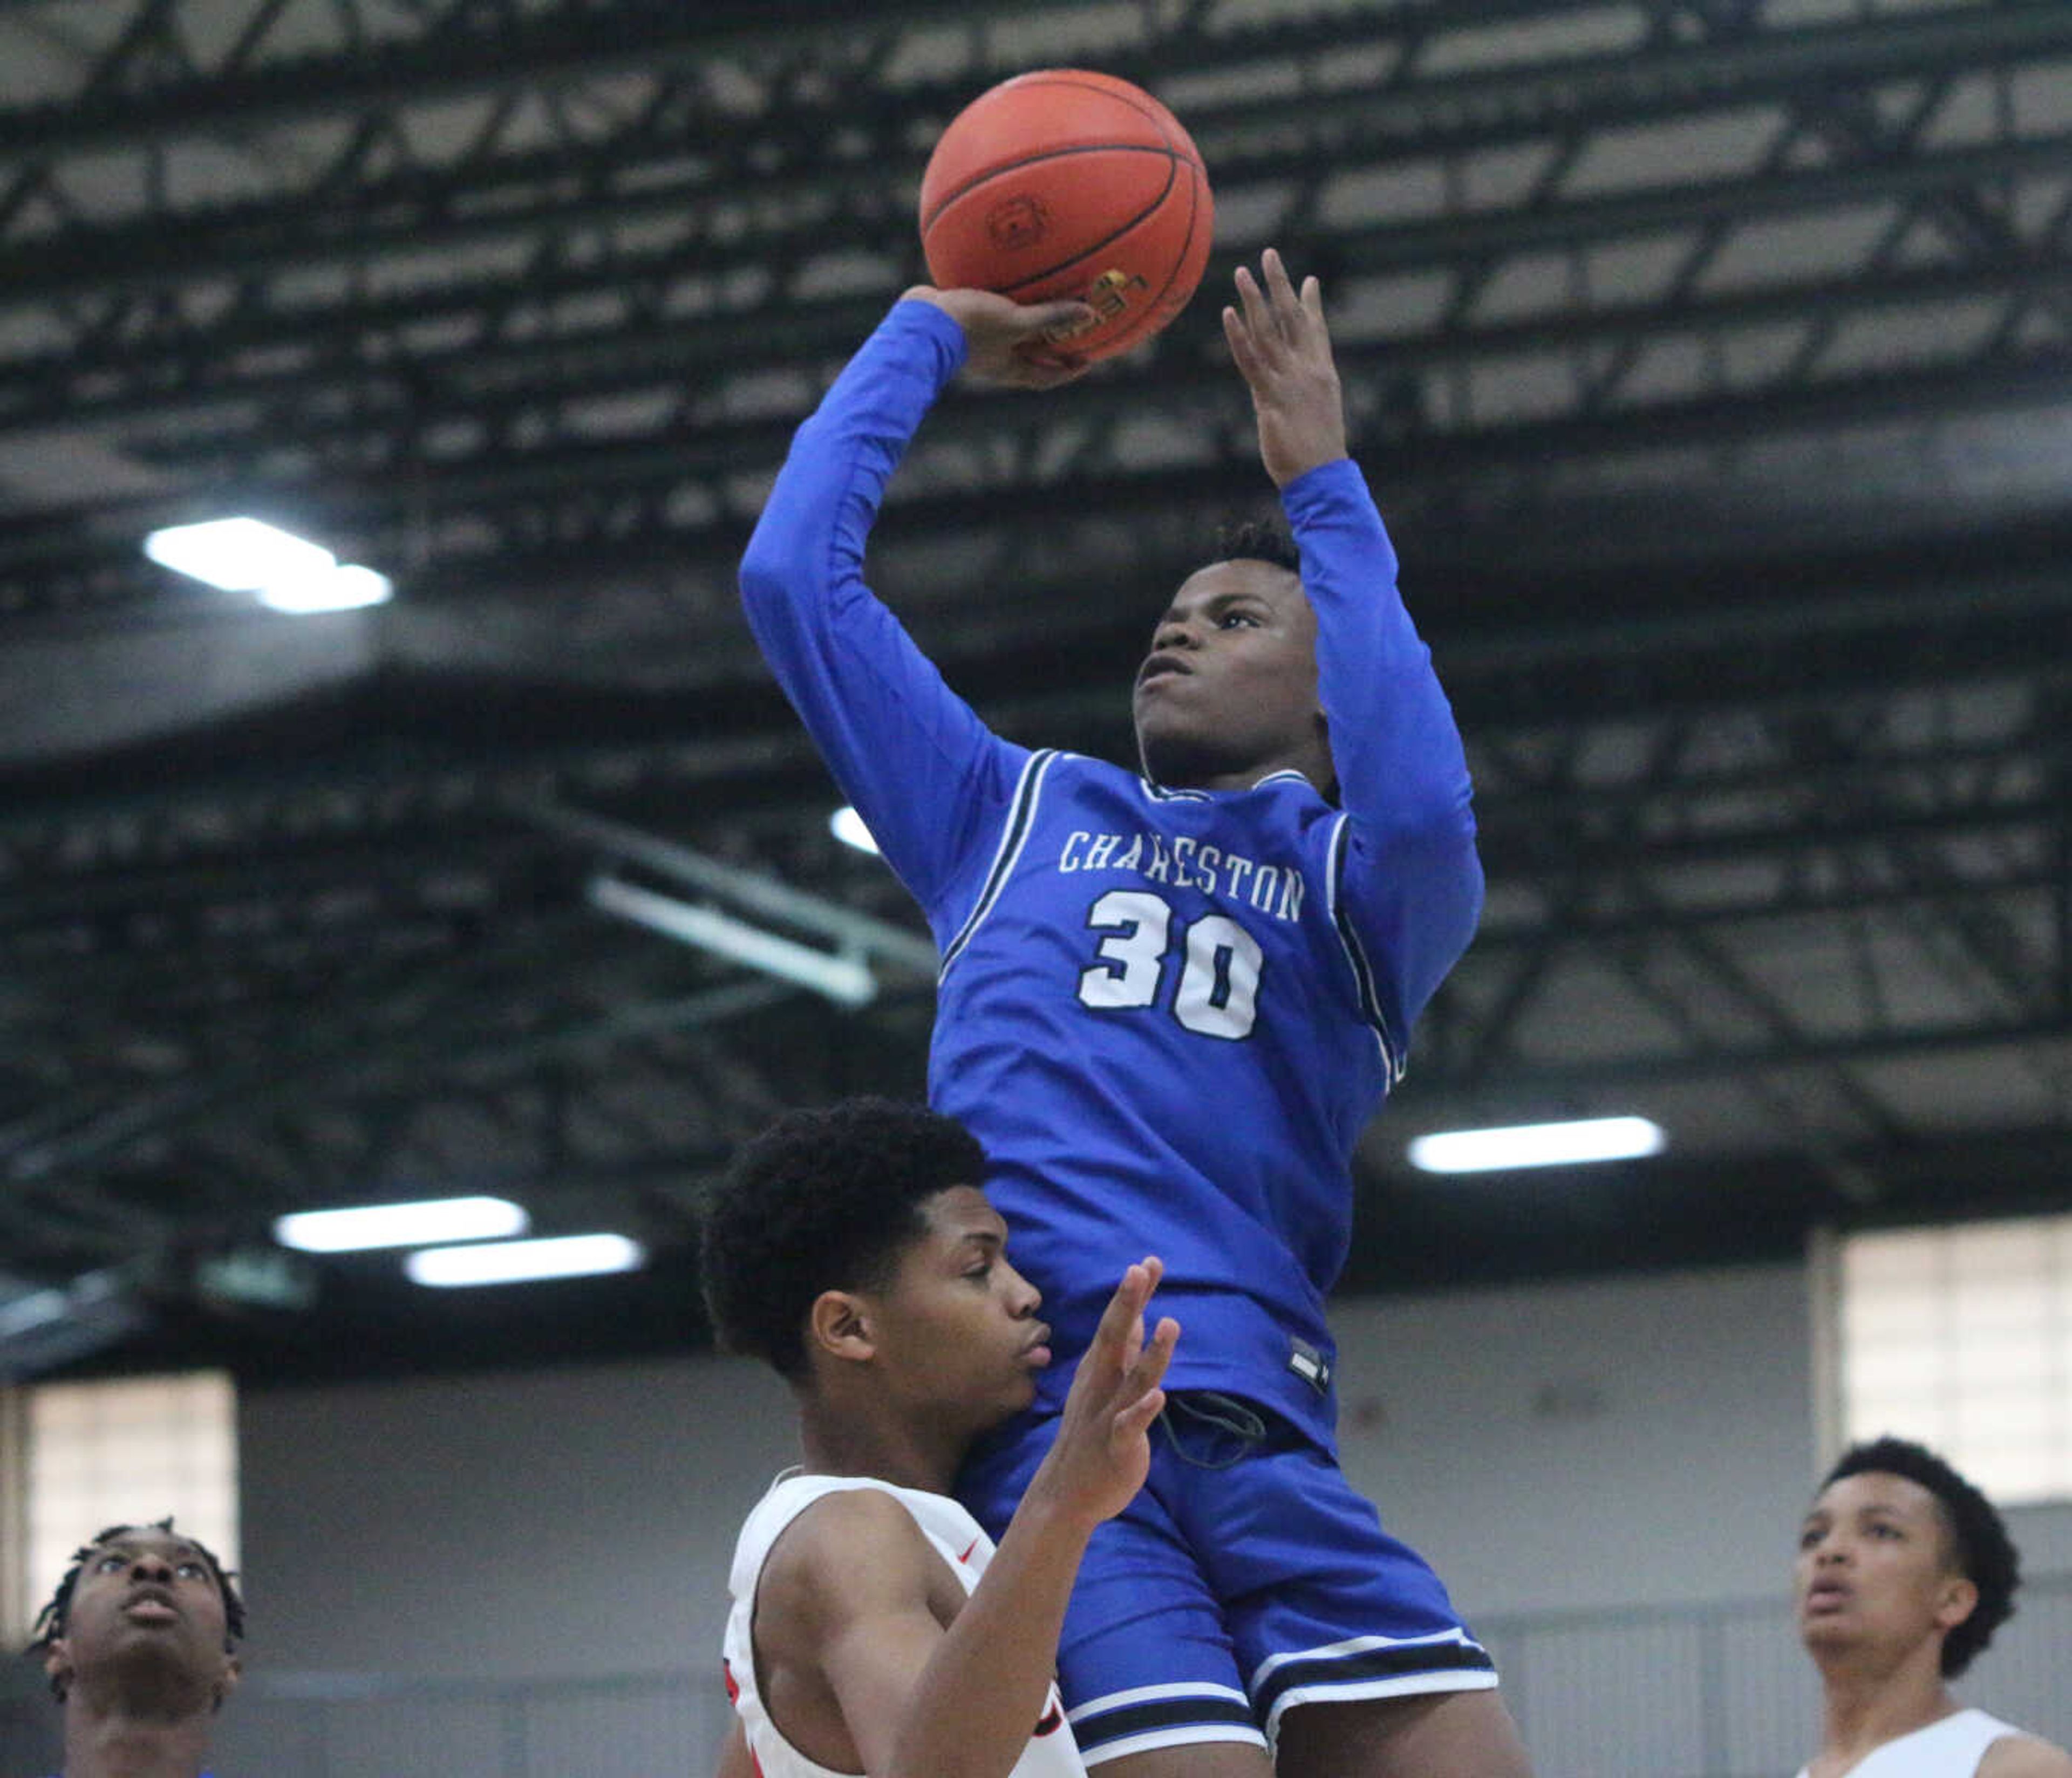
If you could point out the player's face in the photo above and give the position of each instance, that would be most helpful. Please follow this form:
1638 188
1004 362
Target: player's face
147 1603
957 1335
1875 1567
1228 691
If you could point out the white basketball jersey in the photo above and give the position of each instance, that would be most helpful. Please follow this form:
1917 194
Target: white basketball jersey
1051 1752
1951 1748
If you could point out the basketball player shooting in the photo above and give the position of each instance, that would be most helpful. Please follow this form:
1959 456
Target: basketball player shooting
1167 1004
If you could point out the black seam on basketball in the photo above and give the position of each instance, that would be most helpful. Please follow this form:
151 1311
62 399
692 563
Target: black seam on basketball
1092 248
1120 98
1121 341
994 171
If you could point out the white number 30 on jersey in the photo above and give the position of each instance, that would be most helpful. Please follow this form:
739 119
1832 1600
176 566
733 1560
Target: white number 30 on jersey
1218 993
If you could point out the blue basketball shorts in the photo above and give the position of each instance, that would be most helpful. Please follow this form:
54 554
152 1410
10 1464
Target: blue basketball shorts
1246 1579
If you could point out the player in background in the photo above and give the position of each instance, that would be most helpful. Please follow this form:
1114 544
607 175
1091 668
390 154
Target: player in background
875 1628
1168 1003
139 1642
1904 1571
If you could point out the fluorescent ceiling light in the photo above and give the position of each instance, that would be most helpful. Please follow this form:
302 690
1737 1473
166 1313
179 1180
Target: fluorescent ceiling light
513 1262
401 1224
847 826
246 555
343 589
845 980
1536 1145
239 555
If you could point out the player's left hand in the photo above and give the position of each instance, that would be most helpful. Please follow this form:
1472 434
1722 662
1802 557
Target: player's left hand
1283 349
1102 1450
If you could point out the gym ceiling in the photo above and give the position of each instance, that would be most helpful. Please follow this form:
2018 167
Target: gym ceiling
1712 360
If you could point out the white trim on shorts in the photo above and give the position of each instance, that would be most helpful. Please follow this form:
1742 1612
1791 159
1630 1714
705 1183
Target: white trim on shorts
1400 1685
1169 1734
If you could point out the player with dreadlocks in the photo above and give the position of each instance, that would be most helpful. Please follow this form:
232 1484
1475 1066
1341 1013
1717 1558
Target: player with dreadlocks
140 1643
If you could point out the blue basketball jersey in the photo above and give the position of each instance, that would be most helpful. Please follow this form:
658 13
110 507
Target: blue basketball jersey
1166 1014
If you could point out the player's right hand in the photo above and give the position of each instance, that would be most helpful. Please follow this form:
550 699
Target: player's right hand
1102 1450
1010 344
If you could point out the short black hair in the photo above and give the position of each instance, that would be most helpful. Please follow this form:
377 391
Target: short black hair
51 1620
822 1200
1258 540
1985 1554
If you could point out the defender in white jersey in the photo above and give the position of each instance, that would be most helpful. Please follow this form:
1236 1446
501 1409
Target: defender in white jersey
1905 1571
874 1629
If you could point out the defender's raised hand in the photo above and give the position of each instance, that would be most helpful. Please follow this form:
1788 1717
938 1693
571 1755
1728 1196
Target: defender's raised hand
1012 345
1283 351
1102 1450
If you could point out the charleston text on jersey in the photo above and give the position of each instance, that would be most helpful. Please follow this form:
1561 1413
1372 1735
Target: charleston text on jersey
1272 889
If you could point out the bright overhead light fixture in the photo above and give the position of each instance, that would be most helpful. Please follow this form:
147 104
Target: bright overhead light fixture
347 588
238 554
516 1262
847 826
847 981
246 555
416 1225
1536 1145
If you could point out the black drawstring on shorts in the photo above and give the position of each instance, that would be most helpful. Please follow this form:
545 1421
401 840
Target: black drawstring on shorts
1209 1418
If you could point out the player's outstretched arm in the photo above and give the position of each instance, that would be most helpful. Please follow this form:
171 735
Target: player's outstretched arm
1283 349
1412 886
1009 344
962 1702
1102 1450
1004 1641
930 780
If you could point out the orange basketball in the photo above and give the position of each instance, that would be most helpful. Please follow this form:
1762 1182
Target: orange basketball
1066 183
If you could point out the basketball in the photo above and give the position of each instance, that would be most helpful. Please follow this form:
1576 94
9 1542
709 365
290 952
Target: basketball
1066 183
